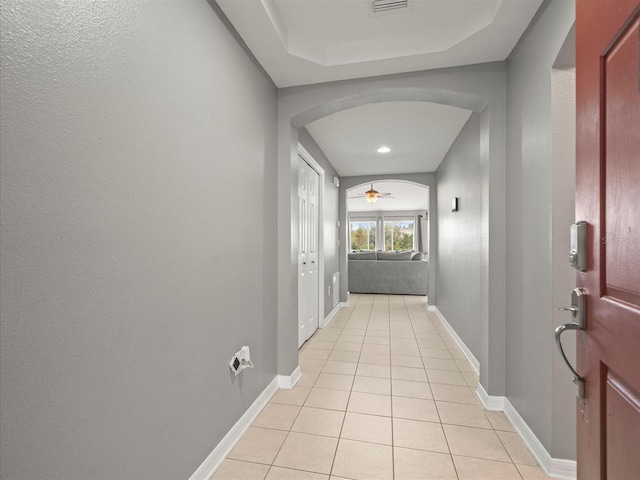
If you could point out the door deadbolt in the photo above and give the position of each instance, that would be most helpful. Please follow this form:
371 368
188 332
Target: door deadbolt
578 251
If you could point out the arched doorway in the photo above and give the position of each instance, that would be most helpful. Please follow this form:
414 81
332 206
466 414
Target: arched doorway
479 89
397 221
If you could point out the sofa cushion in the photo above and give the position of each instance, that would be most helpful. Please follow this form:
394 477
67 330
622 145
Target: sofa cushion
362 256
394 256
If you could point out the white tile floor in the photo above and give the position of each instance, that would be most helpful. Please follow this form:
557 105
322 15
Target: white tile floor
385 394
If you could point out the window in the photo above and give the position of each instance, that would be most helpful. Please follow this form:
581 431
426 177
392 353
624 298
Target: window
398 233
363 235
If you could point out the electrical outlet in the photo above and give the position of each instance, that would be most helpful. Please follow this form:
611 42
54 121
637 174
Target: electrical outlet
235 365
241 360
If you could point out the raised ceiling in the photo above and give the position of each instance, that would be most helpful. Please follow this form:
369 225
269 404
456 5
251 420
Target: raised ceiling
418 134
301 42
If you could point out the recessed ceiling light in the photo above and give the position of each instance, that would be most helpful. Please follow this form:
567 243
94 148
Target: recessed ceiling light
384 150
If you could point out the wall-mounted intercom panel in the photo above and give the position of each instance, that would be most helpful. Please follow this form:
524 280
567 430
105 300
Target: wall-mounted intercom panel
578 252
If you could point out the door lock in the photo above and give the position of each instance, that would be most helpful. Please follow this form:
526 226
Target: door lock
578 311
578 252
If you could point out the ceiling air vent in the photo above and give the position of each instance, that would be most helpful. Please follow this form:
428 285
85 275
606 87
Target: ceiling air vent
384 6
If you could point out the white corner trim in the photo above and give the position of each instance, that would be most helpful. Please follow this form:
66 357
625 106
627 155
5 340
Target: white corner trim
220 452
491 403
461 345
562 468
332 314
552 467
290 381
216 457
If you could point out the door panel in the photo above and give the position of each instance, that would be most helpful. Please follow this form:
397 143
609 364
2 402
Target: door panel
622 423
312 232
303 222
622 170
608 199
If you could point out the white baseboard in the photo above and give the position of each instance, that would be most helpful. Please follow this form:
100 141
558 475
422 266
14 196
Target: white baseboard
290 381
461 345
332 314
206 470
344 304
491 403
562 468
553 467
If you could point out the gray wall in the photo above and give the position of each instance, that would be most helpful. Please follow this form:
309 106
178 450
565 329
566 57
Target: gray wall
133 134
460 253
532 376
330 216
563 423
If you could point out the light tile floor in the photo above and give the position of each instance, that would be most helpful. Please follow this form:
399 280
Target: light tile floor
385 394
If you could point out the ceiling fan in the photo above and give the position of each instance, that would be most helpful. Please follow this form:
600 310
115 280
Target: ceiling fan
372 195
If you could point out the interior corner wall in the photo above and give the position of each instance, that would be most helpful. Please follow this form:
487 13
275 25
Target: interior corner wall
460 263
530 207
138 239
330 216
563 423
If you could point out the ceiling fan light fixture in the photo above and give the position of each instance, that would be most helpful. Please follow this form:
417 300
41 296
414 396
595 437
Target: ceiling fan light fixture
384 149
371 195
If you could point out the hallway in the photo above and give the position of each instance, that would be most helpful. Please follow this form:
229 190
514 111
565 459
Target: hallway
385 393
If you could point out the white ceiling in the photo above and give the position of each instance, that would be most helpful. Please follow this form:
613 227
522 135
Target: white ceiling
406 196
301 42
419 135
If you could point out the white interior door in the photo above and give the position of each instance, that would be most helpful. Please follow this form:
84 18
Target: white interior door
313 278
308 199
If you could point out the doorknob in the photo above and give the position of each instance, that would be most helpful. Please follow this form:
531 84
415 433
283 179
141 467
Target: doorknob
578 311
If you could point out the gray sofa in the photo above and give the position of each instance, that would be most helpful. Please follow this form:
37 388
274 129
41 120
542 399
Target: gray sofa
391 273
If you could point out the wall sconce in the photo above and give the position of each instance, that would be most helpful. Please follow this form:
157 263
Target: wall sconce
336 182
454 204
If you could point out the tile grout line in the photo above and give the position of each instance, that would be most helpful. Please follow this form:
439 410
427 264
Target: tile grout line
393 445
335 453
446 439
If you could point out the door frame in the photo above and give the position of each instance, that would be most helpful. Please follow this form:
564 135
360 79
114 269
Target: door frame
306 156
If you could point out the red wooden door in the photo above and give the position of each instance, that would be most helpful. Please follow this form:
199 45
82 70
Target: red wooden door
608 198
